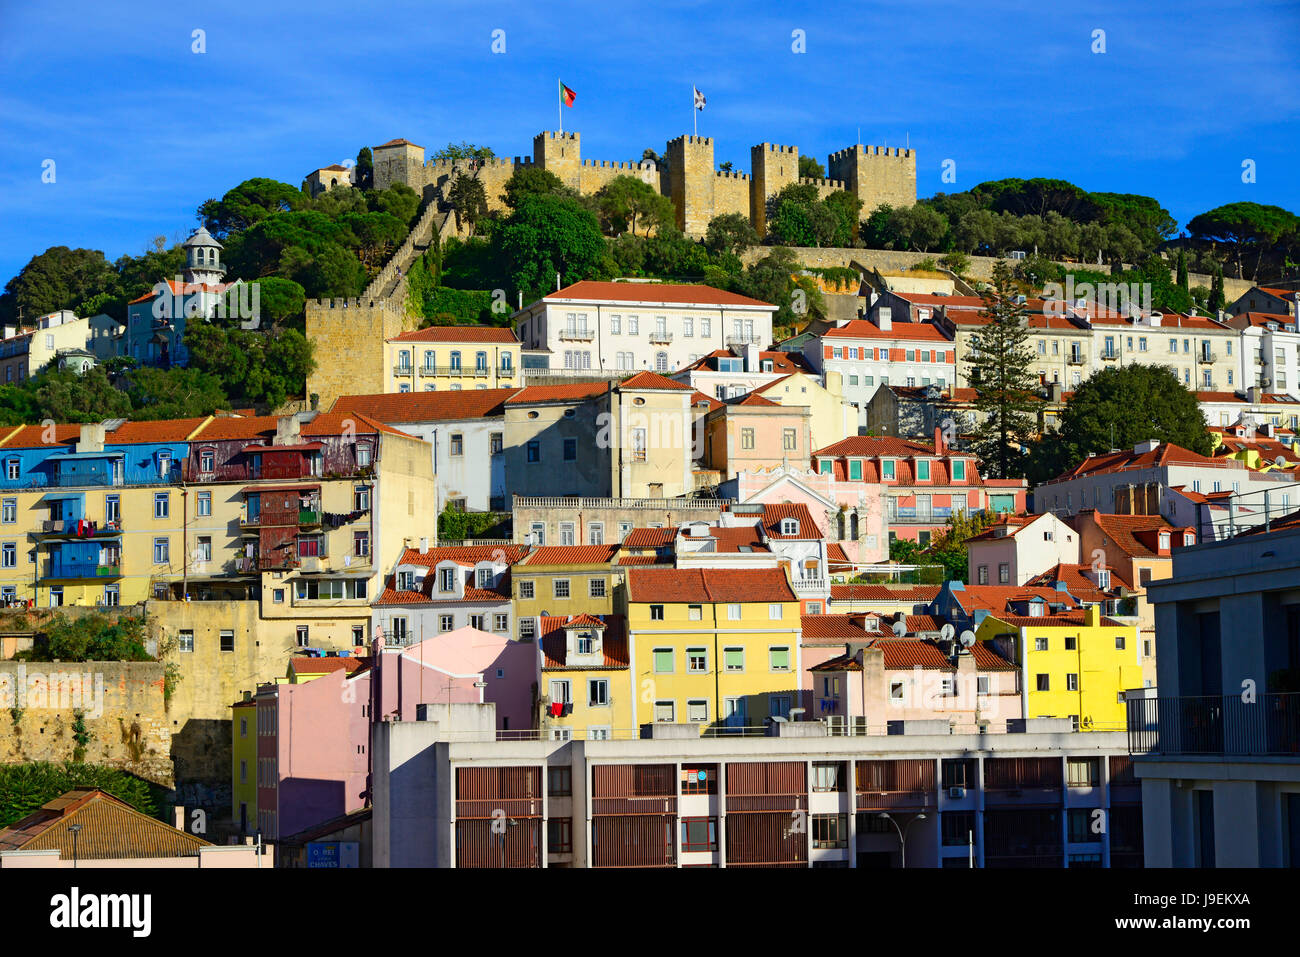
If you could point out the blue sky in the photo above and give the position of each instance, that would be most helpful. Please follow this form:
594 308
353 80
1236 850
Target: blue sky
142 129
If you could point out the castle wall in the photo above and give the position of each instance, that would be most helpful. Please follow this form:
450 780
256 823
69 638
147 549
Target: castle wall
876 175
691 180
772 168
731 193
561 154
355 328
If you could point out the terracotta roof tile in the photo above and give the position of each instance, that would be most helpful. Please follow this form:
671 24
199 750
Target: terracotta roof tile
613 644
775 514
316 666
898 331
653 293
649 537
566 392
652 380
459 334
109 829
426 406
570 555
707 585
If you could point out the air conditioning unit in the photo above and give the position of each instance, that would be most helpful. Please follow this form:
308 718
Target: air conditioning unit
956 792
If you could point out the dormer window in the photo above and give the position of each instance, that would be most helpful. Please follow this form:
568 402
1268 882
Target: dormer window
446 579
1164 541
1103 578
887 470
485 578
923 470
164 464
586 643
1189 538
207 461
959 470
363 456
789 526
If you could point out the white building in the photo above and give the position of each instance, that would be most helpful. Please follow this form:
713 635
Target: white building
1219 767
870 354
635 326
1019 547
1269 350
729 373
465 431
1252 406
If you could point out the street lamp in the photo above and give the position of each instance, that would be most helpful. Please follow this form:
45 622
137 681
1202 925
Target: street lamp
74 828
902 833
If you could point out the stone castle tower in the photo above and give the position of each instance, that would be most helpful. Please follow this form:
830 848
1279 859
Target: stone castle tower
698 191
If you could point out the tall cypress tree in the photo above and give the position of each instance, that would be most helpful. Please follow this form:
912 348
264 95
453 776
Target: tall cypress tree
1181 275
1217 300
998 369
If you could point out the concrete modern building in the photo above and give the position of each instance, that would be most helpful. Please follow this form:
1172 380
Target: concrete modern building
672 798
1217 748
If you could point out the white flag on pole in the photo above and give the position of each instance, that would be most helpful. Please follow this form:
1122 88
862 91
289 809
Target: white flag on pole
699 99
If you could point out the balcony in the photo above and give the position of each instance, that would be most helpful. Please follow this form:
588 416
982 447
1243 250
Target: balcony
429 372
801 585
1207 357
577 335
1076 359
67 527
742 340
308 516
246 566
403 370
63 571
661 338
277 563
1216 725
1109 354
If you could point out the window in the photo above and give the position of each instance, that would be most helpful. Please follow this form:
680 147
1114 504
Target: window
958 830
1071 682
1043 684
227 641
1004 573
828 776
111 595
830 830
1082 772
185 641
597 692
533 451
1071 642
495 443
361 544
1040 644
161 504
697 660
774 611
733 612
9 511
959 470
663 661
733 659
304 636
789 439
9 555
1119 642
665 711
923 471
560 588
656 612
204 551
559 834
361 498
596 533
446 579
596 588
457 444
527 629
746 438
161 551
699 834
526 589
855 470
570 450
982 574
11 469
779 659
204 504
559 780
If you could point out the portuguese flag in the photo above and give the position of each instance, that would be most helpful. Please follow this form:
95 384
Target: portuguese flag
567 95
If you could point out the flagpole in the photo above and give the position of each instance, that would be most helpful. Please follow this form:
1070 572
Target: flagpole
559 102
695 114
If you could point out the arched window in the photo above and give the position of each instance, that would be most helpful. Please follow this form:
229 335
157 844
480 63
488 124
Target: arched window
840 526
853 526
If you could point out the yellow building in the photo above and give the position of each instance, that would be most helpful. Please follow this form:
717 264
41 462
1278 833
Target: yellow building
243 750
583 678
717 647
830 417
563 581
1073 664
452 358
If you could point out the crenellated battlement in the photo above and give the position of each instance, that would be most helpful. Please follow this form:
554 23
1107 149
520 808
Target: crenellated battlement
691 140
730 174
855 151
777 148
388 304
556 135
630 165
821 183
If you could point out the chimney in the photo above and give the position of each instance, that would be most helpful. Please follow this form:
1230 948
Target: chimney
1221 316
288 430
91 438
750 353
424 546
180 818
1054 392
938 440
1253 395
885 319
10 331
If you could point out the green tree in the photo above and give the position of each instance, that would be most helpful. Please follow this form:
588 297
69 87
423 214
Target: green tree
998 365
730 232
398 200
1182 269
845 210
174 393
452 153
1246 228
532 181
68 396
547 235
250 202
955 262
24 788
59 278
625 200
280 301
918 227
468 200
1217 300
809 168
365 169
1117 408
253 368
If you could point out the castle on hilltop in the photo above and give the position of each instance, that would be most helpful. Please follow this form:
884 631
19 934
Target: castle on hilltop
698 190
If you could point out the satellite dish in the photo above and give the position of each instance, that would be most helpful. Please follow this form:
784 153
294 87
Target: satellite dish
947 632
1280 461
900 628
967 638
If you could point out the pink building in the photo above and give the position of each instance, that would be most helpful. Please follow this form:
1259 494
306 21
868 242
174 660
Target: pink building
925 483
756 433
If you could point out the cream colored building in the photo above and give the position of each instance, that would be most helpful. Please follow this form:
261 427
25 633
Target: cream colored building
25 353
452 359
634 326
830 416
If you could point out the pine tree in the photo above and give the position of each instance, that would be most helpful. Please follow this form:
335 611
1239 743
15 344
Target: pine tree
998 370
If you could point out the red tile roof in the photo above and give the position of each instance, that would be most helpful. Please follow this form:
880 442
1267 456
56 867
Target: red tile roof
649 537
753 398
1012 523
1077 582
899 331
653 293
920 623
699 398
652 380
459 334
706 585
787 362
506 552
1127 532
426 406
570 555
613 643
316 666
567 392
735 539
1164 454
994 598
775 514
398 142
834 628
645 560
